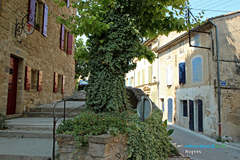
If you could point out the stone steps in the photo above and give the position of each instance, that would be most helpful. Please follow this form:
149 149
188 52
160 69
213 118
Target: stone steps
26 148
24 157
31 136
50 114
26 134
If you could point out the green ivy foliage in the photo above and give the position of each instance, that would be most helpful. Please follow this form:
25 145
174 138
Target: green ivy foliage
114 29
147 140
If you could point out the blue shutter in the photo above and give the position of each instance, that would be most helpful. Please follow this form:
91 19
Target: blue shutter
182 73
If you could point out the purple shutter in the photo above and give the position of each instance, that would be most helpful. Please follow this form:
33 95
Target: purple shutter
55 84
39 86
63 84
62 37
67 1
28 78
69 46
45 19
31 12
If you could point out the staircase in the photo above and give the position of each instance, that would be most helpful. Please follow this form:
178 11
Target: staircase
30 137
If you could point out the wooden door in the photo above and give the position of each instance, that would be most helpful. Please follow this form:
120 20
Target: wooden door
12 86
200 116
191 115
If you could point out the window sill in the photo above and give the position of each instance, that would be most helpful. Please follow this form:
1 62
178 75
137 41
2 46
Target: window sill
32 91
184 117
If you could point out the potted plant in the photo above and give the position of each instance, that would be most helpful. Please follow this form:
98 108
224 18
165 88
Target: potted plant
37 26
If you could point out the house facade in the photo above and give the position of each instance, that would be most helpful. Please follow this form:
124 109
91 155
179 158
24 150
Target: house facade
39 67
187 91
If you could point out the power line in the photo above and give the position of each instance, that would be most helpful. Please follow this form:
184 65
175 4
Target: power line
199 4
222 4
224 7
210 4
209 10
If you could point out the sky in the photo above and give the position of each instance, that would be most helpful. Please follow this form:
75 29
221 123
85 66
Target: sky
214 8
211 8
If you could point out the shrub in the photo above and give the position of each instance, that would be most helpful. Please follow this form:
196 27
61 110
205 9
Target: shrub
147 140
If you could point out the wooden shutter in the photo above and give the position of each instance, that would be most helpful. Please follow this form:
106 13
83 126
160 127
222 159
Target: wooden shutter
45 19
31 11
63 84
62 37
69 46
55 84
182 74
27 78
39 86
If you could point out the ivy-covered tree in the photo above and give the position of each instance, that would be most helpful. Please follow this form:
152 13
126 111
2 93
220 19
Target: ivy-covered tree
115 29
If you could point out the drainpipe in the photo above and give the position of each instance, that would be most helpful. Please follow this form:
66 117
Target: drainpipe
218 77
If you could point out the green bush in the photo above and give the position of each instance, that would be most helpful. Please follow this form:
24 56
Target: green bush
147 140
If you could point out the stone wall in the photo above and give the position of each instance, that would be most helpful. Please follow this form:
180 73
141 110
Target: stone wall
101 147
35 50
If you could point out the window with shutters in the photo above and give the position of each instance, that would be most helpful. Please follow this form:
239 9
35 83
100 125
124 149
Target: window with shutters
66 40
182 73
181 49
34 79
38 15
183 108
58 83
59 88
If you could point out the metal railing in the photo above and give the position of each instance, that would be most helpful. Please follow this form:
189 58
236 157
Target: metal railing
63 116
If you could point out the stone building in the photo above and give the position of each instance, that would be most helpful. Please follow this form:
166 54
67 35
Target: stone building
146 76
38 68
188 78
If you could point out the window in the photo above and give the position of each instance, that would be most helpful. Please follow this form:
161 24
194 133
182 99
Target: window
59 88
169 75
65 40
182 73
181 48
197 69
33 79
162 103
38 15
129 81
183 107
59 83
